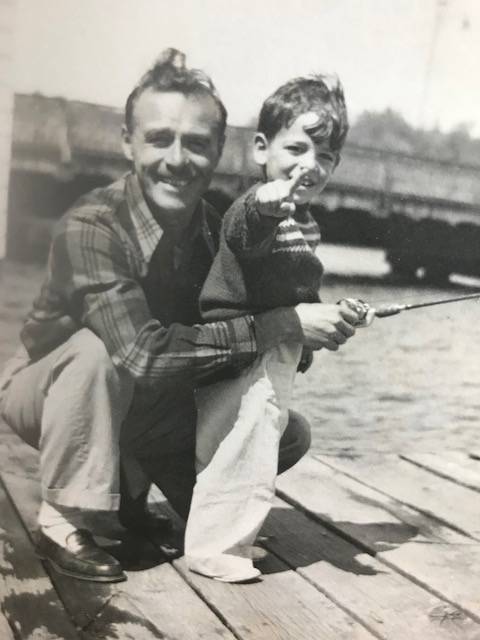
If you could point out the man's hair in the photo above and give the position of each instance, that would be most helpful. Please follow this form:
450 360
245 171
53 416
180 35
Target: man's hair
322 94
168 74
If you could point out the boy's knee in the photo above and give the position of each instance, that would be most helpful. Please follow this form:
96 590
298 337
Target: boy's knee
295 442
301 431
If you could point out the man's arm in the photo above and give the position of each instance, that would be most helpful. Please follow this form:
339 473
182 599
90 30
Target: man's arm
96 273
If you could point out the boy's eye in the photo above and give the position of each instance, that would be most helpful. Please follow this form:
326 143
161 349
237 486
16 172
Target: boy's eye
294 148
325 157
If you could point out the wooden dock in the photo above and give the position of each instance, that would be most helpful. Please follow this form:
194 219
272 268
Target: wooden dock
358 548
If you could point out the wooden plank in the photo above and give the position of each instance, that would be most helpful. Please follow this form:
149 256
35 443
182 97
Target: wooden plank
83 600
454 465
120 619
436 557
273 607
145 605
386 602
281 606
144 587
16 456
455 505
28 599
171 605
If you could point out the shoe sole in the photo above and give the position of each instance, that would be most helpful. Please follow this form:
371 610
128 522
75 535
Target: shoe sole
239 580
233 579
81 576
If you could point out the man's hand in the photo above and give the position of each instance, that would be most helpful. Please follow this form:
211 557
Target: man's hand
326 325
275 198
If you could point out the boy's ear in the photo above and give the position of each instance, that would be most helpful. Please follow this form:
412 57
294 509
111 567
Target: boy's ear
337 162
127 143
260 146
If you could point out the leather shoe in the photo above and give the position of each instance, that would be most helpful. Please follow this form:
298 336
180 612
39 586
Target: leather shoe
144 521
82 558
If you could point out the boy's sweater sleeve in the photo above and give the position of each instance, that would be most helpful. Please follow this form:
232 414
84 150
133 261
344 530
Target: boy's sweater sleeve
247 233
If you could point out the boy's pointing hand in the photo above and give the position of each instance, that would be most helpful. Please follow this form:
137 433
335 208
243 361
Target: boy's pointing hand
275 198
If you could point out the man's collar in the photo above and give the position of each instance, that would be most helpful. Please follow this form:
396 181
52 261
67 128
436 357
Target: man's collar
148 230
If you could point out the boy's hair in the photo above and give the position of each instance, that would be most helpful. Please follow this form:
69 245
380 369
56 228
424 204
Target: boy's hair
169 73
322 94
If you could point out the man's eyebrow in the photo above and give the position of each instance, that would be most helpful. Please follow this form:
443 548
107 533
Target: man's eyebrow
198 135
155 131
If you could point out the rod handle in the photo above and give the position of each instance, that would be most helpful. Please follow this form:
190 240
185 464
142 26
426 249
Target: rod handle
388 310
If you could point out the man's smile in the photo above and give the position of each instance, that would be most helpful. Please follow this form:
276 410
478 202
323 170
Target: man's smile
178 183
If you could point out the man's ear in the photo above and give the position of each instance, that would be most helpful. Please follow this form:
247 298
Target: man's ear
337 162
220 146
260 146
127 143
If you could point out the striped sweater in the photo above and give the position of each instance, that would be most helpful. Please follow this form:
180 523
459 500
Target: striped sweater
262 262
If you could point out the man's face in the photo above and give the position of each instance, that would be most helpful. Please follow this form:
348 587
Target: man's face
175 148
293 149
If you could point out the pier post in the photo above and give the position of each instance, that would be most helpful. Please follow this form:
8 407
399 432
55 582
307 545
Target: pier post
7 16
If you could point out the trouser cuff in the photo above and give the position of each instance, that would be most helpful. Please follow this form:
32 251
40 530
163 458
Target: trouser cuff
82 499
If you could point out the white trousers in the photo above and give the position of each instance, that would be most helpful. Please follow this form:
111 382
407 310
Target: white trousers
240 423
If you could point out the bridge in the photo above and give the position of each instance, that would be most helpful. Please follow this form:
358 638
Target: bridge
62 148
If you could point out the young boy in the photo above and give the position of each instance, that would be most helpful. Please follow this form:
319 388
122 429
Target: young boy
266 260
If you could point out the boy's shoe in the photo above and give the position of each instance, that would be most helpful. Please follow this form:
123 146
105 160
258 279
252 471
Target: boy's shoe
238 577
244 577
81 558
224 568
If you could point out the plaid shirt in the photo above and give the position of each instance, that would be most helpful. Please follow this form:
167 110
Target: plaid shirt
98 277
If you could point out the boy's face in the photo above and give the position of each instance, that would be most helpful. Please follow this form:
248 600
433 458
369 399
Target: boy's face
293 149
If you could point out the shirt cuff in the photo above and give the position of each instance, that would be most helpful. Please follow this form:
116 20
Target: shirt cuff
277 326
241 337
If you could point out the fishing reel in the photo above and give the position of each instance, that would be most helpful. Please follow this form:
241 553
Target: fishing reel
365 312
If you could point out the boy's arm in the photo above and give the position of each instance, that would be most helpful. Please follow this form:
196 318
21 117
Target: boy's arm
251 222
274 199
248 234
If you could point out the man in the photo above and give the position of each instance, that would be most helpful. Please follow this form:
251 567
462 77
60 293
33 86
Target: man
114 347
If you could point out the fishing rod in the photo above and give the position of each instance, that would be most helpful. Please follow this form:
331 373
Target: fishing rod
387 310
384 311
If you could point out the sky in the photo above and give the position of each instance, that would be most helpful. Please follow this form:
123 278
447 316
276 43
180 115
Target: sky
419 57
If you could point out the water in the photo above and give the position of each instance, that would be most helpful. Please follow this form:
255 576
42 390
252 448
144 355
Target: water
407 383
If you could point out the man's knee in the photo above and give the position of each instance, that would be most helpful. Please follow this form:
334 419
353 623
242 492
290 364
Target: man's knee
87 361
295 442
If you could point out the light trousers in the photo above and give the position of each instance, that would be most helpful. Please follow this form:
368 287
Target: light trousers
81 413
239 428
88 419
57 405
